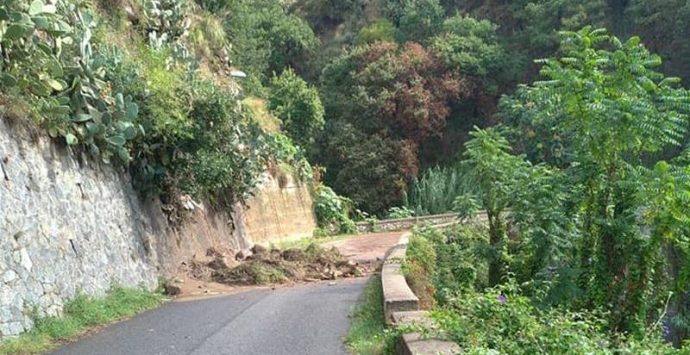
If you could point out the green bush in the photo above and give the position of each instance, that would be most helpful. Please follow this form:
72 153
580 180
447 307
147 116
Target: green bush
47 46
502 320
333 211
436 189
419 269
381 30
399 212
298 107
166 21
458 261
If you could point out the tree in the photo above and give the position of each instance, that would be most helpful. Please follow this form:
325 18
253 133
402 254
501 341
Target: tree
664 26
419 20
380 31
617 112
471 46
265 37
398 96
403 91
495 171
298 106
372 170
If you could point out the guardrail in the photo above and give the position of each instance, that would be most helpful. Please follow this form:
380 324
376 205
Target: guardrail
401 306
391 225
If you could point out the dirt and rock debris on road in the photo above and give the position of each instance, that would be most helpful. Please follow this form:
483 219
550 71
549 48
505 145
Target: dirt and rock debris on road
223 271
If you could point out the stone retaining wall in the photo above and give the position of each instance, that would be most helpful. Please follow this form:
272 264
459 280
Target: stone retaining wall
71 226
392 225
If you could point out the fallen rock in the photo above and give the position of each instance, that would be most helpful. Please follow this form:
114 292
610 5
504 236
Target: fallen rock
172 290
258 249
293 254
243 254
221 262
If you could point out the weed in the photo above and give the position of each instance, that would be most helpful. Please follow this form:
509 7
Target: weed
80 314
368 333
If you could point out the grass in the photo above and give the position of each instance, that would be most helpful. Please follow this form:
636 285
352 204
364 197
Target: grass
263 117
368 334
80 315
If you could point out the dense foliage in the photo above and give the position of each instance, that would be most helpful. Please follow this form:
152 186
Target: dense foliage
585 182
333 211
448 270
592 235
298 106
437 188
179 131
401 96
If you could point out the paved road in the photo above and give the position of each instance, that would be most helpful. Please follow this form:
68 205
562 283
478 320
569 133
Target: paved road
306 319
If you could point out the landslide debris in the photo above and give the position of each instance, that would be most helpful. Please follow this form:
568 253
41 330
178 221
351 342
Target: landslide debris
273 266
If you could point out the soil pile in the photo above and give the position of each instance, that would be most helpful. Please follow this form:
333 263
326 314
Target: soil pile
271 266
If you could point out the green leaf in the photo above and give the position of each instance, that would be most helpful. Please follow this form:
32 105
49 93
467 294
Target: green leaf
39 89
92 128
119 100
56 85
123 154
36 7
117 140
44 48
61 109
55 68
8 80
15 32
132 111
107 118
130 132
41 22
71 139
82 117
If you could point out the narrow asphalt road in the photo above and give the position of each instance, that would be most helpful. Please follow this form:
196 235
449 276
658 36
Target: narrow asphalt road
301 320
305 319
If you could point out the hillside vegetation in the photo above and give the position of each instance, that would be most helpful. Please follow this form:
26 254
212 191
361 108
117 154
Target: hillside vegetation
566 121
145 86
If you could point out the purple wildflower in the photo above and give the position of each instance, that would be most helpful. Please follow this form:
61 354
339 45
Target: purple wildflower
502 298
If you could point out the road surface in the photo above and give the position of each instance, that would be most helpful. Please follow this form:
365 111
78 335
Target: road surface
301 320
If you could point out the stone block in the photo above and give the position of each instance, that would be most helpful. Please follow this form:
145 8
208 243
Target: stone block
415 344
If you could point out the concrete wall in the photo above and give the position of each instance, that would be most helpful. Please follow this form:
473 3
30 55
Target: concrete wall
70 226
277 212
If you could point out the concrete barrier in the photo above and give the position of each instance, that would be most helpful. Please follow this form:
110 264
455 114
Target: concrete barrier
415 344
397 295
401 307
391 225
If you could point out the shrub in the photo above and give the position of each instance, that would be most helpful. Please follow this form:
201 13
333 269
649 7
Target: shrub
437 188
381 30
41 43
298 106
166 21
502 320
332 211
419 269
399 212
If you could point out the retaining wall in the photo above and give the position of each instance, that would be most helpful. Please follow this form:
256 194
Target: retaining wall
69 225
391 225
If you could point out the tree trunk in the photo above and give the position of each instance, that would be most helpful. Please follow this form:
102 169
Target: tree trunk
496 241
